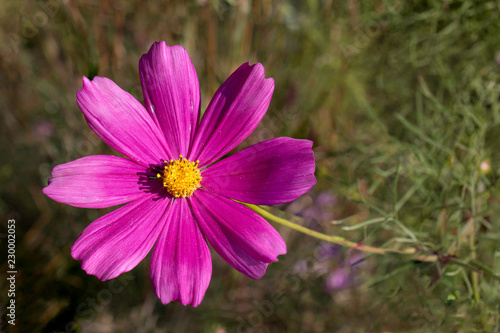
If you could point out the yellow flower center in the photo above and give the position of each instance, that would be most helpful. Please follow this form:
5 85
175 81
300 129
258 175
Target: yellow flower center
181 177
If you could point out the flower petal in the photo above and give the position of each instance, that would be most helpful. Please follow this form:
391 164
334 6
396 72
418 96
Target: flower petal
181 266
234 112
171 94
271 172
121 121
116 242
97 181
239 235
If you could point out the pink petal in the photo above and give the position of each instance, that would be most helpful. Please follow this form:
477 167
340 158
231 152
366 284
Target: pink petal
121 121
181 266
171 94
115 243
238 234
234 112
98 181
268 173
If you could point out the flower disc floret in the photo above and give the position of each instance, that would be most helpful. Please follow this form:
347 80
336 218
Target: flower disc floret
181 177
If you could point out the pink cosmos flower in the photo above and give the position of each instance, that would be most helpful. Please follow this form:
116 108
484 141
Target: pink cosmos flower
179 195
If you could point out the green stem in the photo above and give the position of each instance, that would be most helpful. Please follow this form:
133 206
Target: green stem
475 275
480 266
336 239
474 265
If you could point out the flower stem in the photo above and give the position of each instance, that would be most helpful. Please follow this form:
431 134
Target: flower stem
473 265
475 203
336 239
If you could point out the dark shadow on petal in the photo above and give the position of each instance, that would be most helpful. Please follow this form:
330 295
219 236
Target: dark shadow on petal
150 183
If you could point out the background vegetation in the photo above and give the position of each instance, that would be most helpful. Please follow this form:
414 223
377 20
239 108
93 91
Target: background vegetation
401 99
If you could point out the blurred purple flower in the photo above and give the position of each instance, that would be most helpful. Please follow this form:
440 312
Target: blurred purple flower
337 280
325 251
346 276
300 267
318 207
43 129
180 204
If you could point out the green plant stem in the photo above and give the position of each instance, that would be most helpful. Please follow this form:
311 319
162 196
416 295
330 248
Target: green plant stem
338 240
473 265
474 274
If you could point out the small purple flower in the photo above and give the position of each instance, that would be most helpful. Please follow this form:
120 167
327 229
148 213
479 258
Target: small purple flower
179 195
339 279
346 276
315 206
326 251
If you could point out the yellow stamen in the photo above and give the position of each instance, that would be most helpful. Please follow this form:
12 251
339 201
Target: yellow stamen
181 177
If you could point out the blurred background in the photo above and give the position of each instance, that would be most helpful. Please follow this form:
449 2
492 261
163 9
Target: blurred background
401 99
